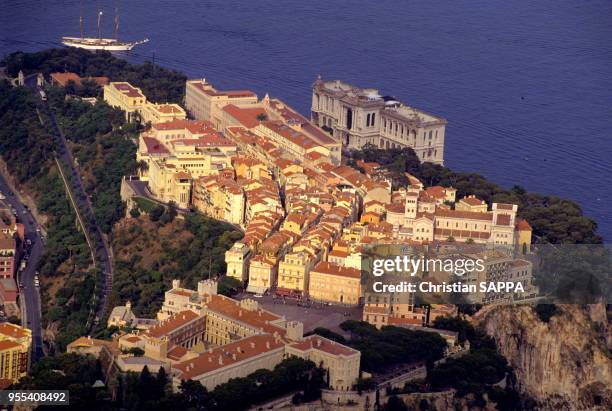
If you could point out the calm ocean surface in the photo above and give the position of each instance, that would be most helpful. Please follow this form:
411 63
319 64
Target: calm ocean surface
526 86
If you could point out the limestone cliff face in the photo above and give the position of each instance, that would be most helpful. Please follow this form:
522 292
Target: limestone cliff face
564 364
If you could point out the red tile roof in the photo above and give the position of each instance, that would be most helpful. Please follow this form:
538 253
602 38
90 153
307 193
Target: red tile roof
245 116
316 342
228 354
154 146
173 323
333 269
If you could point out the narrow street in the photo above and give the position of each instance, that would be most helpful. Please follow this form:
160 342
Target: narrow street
29 296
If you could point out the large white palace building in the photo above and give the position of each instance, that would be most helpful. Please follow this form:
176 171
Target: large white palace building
360 116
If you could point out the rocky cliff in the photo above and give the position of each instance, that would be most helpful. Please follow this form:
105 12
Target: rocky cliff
562 364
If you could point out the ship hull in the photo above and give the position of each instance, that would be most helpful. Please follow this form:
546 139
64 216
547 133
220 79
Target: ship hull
99 44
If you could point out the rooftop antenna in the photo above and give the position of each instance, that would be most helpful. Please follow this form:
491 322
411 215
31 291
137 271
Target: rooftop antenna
99 16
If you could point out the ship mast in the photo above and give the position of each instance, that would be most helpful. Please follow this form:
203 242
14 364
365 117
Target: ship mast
99 15
116 22
81 20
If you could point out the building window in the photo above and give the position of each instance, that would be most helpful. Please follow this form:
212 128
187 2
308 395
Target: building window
349 118
372 119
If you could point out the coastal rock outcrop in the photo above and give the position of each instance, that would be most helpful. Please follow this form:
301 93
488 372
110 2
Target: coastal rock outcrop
563 363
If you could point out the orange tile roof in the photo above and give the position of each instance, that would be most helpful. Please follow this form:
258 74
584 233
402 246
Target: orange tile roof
472 215
154 146
12 330
194 126
333 269
245 116
473 201
228 354
256 318
502 219
64 78
503 206
177 352
8 344
522 225
178 320
316 342
395 208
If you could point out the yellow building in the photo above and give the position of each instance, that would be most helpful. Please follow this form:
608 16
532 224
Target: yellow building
335 284
15 347
205 102
262 273
471 203
210 338
341 361
179 151
126 97
219 197
131 99
237 260
294 270
523 234
162 113
290 140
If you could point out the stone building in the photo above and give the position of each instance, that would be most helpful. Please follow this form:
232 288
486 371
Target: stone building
360 116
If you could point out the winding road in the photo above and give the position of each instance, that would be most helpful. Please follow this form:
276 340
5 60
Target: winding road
81 202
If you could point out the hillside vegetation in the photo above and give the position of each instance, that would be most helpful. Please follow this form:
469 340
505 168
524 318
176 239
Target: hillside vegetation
149 255
27 147
160 85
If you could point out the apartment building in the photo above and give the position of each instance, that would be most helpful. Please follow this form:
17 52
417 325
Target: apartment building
128 98
178 152
15 348
134 103
237 260
161 113
205 102
360 116
220 197
341 361
428 215
8 250
278 110
335 284
293 272
382 309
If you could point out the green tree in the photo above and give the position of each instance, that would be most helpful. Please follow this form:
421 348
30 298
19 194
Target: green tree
156 213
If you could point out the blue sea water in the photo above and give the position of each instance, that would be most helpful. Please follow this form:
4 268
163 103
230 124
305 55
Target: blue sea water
526 85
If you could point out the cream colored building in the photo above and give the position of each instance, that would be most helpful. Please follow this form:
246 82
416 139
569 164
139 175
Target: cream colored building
162 113
237 261
335 284
126 97
294 270
219 197
205 102
15 348
211 338
359 116
179 151
234 360
294 142
341 361
427 218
